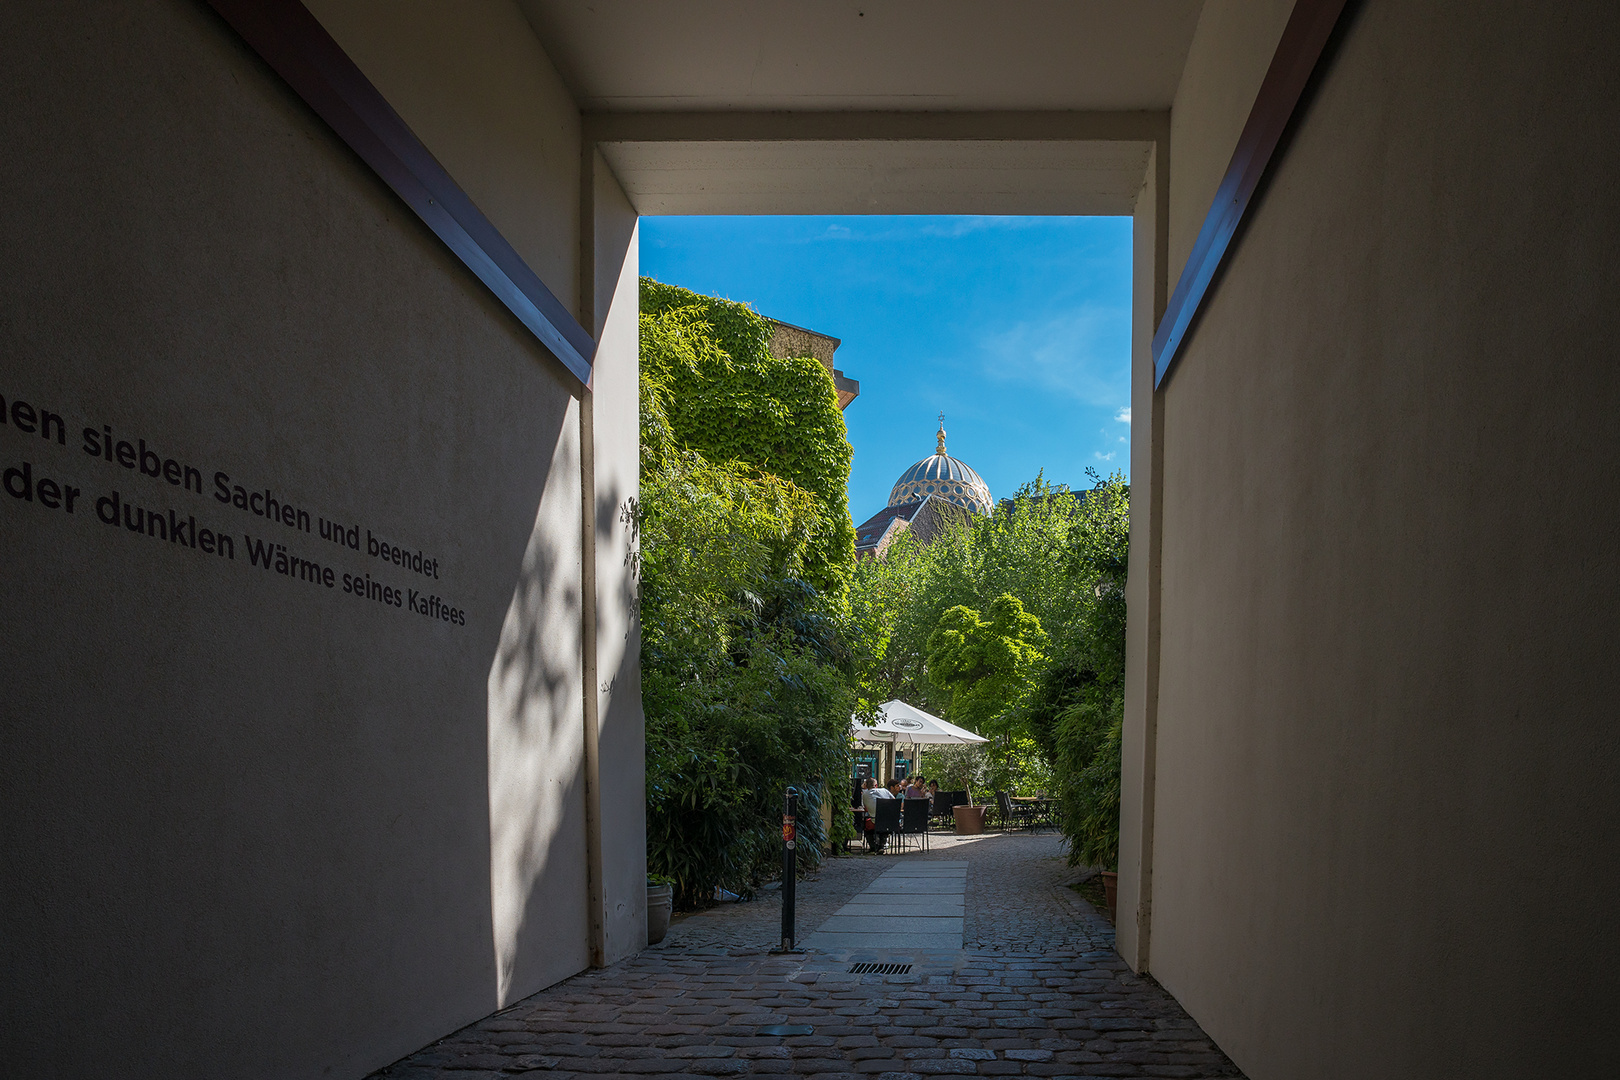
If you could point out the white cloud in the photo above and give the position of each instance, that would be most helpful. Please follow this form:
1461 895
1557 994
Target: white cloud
1082 354
1100 456
1124 415
962 226
909 229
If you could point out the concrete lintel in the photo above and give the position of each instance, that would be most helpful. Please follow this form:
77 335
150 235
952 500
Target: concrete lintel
1059 126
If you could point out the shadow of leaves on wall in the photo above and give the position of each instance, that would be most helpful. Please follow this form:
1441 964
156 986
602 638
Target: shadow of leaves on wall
536 751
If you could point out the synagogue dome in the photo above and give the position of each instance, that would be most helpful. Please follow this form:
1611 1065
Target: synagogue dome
943 477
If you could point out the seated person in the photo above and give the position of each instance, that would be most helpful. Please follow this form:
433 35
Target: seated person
915 789
870 796
876 838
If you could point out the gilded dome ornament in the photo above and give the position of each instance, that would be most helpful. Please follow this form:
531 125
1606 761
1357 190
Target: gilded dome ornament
942 477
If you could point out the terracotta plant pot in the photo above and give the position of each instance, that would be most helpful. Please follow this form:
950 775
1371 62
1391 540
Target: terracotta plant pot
1111 889
660 902
969 819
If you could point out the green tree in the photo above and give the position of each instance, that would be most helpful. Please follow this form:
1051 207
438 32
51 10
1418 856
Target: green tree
888 637
1054 721
986 664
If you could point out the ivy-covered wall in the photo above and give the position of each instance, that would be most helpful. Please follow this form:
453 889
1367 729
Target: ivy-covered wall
738 403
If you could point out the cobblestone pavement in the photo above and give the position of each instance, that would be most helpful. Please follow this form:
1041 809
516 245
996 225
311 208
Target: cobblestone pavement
1037 991
1018 899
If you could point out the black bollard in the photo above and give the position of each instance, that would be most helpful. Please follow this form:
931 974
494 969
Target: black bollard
790 866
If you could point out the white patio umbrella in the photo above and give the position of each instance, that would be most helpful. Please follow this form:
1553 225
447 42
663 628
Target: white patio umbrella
899 722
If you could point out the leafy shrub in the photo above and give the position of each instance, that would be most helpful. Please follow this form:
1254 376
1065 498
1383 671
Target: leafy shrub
1078 710
722 751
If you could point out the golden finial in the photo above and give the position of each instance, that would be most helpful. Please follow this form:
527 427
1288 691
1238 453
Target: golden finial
941 438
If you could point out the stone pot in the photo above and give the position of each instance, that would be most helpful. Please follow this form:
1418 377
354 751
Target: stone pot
660 902
1110 889
969 819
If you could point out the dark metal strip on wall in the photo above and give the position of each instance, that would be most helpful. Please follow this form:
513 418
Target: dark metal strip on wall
1303 39
294 43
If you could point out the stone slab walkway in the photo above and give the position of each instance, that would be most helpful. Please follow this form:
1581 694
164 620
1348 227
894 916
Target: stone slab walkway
1031 987
916 905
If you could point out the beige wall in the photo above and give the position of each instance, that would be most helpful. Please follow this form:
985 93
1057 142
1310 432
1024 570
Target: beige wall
796 341
616 439
476 87
1226 63
1134 904
1385 840
257 826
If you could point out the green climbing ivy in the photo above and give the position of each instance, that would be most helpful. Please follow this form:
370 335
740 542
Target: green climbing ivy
725 396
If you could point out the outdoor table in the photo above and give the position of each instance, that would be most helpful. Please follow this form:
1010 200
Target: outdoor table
1041 803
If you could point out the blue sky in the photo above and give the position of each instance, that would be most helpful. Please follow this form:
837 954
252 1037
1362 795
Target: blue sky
1017 328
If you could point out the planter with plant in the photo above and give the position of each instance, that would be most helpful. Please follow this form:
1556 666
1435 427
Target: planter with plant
660 903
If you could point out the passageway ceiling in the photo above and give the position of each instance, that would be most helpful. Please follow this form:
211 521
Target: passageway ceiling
891 106
958 55
880 177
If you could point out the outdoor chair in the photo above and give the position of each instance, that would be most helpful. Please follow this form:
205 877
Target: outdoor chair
914 820
886 815
948 801
858 816
1013 814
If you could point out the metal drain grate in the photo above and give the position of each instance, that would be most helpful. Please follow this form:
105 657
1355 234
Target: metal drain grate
880 969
